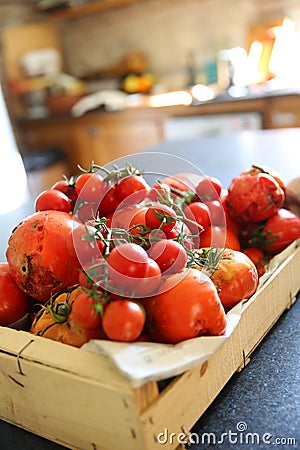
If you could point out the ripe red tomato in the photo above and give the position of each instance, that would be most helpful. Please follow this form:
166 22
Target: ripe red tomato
173 316
235 278
215 236
197 212
123 320
90 187
109 202
86 211
159 191
254 198
14 302
52 199
67 187
87 311
209 188
216 213
258 257
169 255
161 217
133 189
125 263
143 287
41 260
280 231
83 239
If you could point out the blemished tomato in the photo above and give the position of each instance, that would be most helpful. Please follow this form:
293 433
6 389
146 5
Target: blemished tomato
280 231
209 188
220 237
235 277
127 262
173 316
41 260
161 217
52 199
169 255
87 311
89 187
56 321
123 320
14 302
253 197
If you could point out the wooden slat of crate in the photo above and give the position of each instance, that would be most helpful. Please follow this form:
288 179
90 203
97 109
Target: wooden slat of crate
81 400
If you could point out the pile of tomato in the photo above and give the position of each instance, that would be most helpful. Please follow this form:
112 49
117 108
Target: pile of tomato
106 255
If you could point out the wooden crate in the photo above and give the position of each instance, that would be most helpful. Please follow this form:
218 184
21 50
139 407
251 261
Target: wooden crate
81 400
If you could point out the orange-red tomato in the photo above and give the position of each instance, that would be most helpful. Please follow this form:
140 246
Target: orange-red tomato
173 316
215 236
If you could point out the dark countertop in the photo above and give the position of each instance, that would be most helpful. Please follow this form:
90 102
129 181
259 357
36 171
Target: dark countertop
263 399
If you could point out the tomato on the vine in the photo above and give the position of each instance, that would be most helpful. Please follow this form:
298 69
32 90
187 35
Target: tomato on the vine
87 311
209 188
123 320
133 189
161 217
215 236
197 212
169 255
52 199
89 187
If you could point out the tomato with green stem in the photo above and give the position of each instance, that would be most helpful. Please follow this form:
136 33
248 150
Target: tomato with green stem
123 320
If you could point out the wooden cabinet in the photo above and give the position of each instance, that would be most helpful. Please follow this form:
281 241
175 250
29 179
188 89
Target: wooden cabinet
100 137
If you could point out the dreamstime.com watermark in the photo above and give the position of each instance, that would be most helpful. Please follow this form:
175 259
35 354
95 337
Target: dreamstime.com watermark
239 436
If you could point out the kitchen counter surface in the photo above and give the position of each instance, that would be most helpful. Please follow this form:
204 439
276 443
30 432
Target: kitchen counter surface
263 399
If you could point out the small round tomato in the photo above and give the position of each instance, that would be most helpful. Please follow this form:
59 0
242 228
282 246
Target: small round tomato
84 239
132 188
14 303
235 277
209 188
161 217
89 187
258 258
197 212
109 201
216 213
187 306
123 320
67 187
87 310
159 192
147 285
280 231
126 262
220 237
169 255
52 199
86 211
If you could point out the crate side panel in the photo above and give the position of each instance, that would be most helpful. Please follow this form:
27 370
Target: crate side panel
191 394
69 409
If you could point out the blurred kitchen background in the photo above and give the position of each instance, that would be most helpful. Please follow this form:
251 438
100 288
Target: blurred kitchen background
95 80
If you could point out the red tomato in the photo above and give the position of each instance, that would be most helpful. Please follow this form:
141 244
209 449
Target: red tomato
209 188
143 287
235 278
132 188
169 255
87 311
52 199
161 217
92 273
41 260
258 258
90 187
215 236
280 231
86 211
253 198
123 320
216 213
186 306
197 212
67 187
159 192
14 302
127 262
84 240
109 201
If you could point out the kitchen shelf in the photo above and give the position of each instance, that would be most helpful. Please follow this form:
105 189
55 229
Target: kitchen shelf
91 8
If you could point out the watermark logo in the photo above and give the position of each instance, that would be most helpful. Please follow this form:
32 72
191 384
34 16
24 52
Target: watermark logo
238 436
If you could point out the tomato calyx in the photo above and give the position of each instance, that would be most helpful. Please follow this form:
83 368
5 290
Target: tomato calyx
205 258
